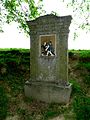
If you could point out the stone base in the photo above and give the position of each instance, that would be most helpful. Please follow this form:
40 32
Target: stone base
48 92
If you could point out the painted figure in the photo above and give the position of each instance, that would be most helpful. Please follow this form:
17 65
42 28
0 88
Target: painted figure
47 49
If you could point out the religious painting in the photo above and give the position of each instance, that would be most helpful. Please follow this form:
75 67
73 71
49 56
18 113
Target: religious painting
47 45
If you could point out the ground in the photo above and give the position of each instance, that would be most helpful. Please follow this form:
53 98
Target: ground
14 71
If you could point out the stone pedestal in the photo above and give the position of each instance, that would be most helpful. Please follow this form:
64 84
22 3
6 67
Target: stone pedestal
49 59
48 92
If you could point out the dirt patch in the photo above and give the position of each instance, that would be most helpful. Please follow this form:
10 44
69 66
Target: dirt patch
16 117
58 118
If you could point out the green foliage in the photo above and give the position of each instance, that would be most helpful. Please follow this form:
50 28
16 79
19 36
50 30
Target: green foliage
50 114
81 11
33 9
76 89
16 62
21 111
13 80
81 103
20 11
84 59
84 65
81 107
87 80
24 115
14 56
84 53
28 99
3 103
27 108
54 110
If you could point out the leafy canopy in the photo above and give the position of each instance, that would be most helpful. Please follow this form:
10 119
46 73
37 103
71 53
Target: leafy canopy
81 15
81 11
19 11
22 10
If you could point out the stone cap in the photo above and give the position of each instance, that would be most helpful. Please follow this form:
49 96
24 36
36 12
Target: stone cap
47 19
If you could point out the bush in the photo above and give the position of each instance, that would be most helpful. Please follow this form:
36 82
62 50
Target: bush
81 107
76 89
3 103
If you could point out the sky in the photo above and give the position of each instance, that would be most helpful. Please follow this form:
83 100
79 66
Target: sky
11 38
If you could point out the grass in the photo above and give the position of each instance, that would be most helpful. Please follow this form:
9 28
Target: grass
81 101
76 89
81 107
3 103
86 80
85 65
14 71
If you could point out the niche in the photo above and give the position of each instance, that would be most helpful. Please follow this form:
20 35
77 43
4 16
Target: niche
47 45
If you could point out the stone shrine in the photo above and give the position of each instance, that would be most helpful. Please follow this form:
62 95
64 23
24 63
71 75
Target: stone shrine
49 59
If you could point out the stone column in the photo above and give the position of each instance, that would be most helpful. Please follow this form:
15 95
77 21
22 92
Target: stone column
49 59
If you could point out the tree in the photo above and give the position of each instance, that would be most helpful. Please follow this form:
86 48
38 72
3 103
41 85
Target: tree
81 14
19 11
22 10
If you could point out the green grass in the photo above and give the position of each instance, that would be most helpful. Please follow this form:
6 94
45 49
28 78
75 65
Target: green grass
81 107
81 102
16 64
16 49
3 103
86 80
85 65
54 110
84 53
76 88
12 99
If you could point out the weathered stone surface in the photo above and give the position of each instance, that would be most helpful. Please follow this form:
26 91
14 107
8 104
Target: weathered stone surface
51 70
48 92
